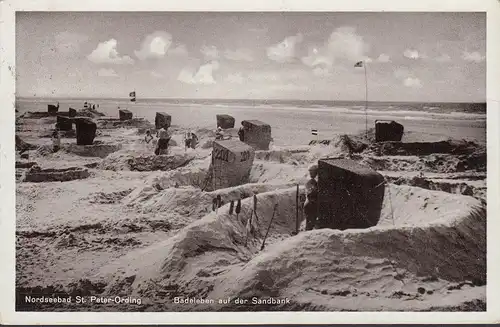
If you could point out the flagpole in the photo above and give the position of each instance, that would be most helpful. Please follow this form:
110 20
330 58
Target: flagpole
366 102
135 96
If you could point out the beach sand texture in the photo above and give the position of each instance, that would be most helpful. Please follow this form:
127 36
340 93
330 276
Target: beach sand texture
142 226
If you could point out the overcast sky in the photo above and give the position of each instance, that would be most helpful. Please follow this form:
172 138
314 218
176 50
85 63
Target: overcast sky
409 56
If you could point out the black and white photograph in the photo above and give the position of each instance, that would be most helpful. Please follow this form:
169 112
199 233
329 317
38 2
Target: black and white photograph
233 161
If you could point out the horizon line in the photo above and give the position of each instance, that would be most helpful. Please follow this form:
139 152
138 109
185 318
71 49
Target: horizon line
246 99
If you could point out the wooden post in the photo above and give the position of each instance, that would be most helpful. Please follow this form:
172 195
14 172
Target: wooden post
268 228
366 103
297 225
238 209
249 227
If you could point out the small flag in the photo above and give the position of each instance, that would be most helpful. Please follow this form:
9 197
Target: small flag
359 64
132 94
314 132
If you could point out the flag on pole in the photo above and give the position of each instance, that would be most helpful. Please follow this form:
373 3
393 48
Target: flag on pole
132 96
358 64
314 132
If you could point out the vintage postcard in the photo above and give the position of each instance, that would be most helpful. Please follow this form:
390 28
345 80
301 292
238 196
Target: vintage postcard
250 162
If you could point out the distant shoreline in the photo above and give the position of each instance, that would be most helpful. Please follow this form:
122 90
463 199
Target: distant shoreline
259 101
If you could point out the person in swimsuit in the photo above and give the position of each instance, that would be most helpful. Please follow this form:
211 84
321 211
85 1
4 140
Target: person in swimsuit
187 140
56 141
219 135
194 140
163 139
241 133
148 136
311 203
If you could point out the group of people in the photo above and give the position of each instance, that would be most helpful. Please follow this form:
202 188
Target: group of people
163 140
219 133
190 140
91 106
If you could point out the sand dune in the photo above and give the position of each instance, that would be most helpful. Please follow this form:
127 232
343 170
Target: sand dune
209 258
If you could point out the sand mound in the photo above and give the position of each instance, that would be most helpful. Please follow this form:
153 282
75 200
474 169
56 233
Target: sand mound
41 115
25 164
126 160
152 199
204 133
32 127
195 174
109 198
24 146
297 156
444 156
94 150
186 204
37 175
113 123
439 163
207 144
268 172
82 287
457 147
205 242
288 156
44 150
345 143
470 188
185 176
372 261
211 258
90 113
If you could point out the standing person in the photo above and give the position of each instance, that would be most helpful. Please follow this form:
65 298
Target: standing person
187 140
148 136
194 140
163 139
219 135
241 133
56 141
311 203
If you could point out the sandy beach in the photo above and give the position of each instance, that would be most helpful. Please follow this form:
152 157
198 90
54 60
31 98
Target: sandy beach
141 227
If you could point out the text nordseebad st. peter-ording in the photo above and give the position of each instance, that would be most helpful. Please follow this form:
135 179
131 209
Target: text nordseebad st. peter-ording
83 299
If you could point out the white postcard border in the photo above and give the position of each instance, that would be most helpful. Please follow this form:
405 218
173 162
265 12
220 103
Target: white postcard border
7 163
